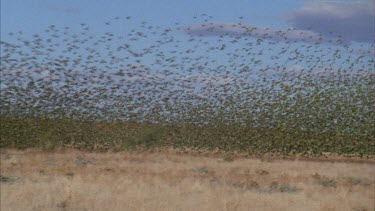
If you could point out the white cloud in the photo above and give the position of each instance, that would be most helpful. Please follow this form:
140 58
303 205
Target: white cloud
354 20
261 32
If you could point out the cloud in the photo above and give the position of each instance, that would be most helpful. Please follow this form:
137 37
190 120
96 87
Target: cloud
260 32
355 21
368 52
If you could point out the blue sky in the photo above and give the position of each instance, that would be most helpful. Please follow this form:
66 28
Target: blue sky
34 15
354 19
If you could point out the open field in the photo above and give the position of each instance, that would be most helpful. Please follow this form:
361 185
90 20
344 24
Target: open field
199 114
173 180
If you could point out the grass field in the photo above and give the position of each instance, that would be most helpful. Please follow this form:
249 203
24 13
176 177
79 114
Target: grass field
175 180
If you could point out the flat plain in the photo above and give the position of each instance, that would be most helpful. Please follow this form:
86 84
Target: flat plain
174 180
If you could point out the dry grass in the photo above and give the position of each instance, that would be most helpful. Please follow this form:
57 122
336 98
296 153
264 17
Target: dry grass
168 180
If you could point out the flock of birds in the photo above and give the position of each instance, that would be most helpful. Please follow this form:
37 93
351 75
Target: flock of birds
173 75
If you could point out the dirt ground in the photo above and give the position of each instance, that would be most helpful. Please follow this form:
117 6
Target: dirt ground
170 180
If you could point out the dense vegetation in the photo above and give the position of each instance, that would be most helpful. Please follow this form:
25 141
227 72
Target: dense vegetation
149 89
51 133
